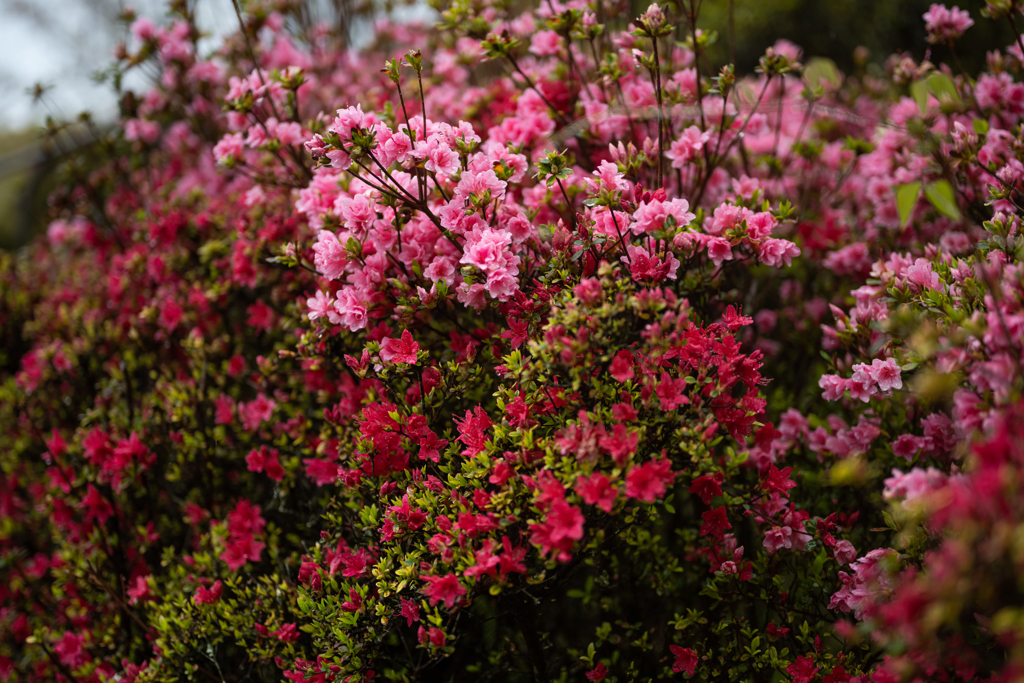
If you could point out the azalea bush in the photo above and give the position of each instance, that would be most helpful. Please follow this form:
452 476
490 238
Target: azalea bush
525 346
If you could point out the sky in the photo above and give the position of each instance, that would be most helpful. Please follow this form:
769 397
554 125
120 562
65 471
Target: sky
61 43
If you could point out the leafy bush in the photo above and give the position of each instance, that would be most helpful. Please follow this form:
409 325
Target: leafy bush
538 354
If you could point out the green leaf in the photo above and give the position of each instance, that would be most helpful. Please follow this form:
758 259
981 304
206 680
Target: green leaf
819 69
980 126
890 522
940 194
919 91
942 85
906 198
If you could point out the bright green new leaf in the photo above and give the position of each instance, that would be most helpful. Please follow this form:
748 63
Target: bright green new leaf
941 85
919 91
906 198
820 69
940 194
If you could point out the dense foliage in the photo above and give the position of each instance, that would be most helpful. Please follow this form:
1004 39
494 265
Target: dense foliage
545 352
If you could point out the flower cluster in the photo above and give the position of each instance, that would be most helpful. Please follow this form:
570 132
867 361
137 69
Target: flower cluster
536 354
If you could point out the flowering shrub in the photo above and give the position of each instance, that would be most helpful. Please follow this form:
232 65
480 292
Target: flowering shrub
537 354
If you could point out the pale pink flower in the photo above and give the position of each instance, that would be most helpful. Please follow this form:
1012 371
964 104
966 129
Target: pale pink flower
230 145
318 305
834 386
777 538
329 255
719 250
689 143
945 25
886 373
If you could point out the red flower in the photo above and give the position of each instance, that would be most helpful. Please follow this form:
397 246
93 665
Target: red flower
139 591
471 430
620 443
597 673
288 633
802 670
597 490
715 523
670 392
446 589
410 610
838 675
622 367
778 480
518 332
399 350
96 506
241 550
320 471
686 660
434 636
208 596
649 481
566 521
708 486
734 320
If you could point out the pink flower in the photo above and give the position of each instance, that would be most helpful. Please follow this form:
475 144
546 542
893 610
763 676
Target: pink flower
349 310
834 387
844 552
621 368
319 305
778 537
719 250
329 255
886 373
773 252
347 119
908 446
255 412
229 148
399 350
689 143
441 158
946 25
545 43
861 385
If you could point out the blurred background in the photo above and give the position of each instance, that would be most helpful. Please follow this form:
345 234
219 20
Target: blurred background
60 44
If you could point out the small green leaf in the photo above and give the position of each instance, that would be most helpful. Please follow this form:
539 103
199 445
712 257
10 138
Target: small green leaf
980 126
890 522
906 198
940 194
